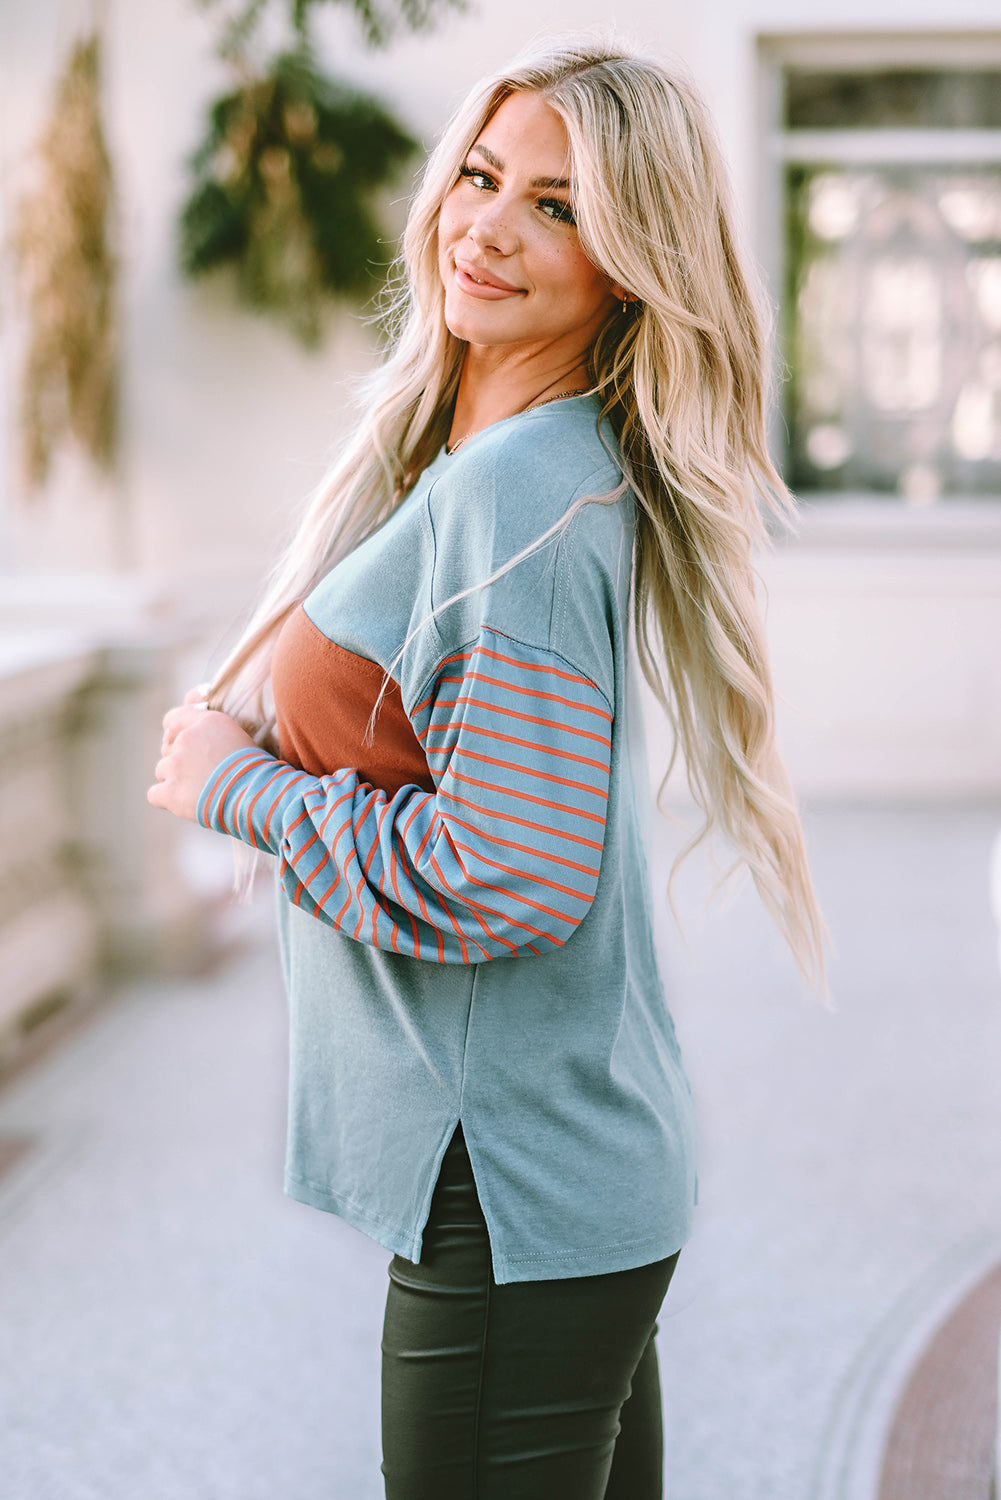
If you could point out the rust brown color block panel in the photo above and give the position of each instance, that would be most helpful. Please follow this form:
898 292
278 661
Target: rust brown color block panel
325 697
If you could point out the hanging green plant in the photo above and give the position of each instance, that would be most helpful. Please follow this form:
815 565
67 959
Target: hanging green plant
379 20
284 186
67 269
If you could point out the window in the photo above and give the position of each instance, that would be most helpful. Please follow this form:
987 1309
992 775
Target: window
887 186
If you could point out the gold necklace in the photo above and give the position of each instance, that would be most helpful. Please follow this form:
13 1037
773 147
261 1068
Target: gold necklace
560 396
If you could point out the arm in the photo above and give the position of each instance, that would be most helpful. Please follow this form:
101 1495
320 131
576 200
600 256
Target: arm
501 859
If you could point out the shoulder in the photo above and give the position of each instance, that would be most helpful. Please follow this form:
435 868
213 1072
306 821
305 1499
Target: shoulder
532 532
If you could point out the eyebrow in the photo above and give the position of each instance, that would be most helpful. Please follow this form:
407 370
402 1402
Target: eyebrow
537 182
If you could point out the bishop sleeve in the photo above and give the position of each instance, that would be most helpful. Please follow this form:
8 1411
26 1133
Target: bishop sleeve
502 859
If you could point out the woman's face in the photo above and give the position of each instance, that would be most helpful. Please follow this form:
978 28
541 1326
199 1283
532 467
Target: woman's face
508 252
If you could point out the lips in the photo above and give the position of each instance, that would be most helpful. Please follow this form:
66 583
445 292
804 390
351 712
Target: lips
479 282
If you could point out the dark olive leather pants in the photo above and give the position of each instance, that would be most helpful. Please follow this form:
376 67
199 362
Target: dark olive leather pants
535 1390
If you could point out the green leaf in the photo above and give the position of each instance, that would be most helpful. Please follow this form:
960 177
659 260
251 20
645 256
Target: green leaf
283 190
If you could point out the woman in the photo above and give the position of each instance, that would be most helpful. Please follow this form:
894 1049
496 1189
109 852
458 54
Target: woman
427 723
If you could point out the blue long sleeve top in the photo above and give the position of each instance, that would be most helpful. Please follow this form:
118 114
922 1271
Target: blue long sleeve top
456 813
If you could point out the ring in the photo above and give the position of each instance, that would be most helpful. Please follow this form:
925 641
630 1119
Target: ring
203 704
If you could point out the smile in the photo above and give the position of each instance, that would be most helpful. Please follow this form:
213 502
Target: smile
477 282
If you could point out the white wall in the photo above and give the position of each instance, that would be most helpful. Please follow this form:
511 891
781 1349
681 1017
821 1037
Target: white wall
888 667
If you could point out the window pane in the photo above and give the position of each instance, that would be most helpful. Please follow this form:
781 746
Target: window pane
893 333
901 98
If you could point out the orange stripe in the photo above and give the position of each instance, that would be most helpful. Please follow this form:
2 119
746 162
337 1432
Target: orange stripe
402 904
424 841
352 854
316 868
447 661
527 666
271 812
510 739
257 797
407 825
526 692
212 789
448 912
361 911
493 911
512 713
331 888
534 880
375 842
337 836
405 854
246 765
363 818
339 918
525 848
344 797
237 805
508 765
504 791
297 823
473 907
379 906
303 847
510 818
235 774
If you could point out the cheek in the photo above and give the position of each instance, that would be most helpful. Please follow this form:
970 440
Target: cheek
450 225
583 284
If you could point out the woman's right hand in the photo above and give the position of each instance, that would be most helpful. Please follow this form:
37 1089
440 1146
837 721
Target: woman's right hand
195 739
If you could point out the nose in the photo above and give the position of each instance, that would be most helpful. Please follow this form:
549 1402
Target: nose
493 227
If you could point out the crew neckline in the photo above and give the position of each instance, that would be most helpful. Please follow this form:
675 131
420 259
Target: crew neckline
530 411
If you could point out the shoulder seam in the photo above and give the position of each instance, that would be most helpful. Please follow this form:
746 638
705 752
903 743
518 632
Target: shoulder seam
428 684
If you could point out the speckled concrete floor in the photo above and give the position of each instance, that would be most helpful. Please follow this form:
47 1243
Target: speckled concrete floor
172 1328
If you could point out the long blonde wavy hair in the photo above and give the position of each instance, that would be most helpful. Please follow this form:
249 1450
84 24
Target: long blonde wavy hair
682 380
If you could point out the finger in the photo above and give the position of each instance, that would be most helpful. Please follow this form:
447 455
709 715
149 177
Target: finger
176 719
199 694
172 715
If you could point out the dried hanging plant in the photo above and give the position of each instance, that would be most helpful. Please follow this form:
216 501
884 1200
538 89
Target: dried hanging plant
62 247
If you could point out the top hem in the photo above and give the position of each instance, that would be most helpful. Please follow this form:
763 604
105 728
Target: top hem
560 1266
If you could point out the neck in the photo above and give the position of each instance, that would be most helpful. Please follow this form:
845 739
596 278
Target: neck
489 392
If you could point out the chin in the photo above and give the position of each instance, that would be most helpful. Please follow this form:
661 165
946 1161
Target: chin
474 327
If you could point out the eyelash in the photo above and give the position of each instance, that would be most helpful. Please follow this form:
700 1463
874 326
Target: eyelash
561 213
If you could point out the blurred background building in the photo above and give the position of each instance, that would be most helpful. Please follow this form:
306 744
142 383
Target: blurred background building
865 143
170 1320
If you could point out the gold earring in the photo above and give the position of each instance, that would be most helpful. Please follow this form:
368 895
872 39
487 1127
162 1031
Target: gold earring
625 305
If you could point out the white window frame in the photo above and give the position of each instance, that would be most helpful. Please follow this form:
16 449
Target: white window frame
858 517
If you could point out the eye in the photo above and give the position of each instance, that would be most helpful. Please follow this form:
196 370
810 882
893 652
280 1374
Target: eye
557 210
477 177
